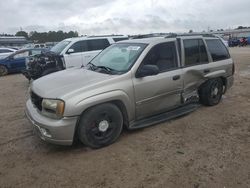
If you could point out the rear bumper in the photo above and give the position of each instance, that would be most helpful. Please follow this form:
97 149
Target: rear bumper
230 81
59 131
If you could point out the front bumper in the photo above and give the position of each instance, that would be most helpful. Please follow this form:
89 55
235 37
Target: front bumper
60 131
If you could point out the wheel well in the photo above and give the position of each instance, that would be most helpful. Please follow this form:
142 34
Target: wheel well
123 109
118 103
224 81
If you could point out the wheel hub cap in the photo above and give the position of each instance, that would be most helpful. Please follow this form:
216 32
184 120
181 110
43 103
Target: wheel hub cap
216 90
103 126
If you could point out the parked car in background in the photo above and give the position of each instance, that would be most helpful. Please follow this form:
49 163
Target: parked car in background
4 52
16 62
73 52
234 42
78 51
132 84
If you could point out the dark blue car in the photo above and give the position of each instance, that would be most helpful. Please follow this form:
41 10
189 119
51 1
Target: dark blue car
16 62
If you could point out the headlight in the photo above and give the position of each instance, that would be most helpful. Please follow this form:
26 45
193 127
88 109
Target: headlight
53 108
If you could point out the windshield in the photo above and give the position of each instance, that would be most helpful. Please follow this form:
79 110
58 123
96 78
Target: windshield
118 57
58 48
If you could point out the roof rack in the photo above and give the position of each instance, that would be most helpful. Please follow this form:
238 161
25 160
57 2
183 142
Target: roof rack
174 35
93 36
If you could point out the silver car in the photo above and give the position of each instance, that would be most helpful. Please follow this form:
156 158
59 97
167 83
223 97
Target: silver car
131 84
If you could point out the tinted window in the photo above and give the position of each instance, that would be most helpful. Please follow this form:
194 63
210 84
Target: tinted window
119 39
80 46
195 52
162 55
97 44
217 49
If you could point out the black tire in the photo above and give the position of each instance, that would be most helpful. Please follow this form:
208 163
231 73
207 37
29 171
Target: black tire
211 92
49 71
3 70
100 125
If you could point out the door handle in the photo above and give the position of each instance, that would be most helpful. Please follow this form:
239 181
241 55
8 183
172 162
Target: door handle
206 71
176 77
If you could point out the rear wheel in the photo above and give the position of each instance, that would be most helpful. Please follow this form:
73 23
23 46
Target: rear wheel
211 92
100 125
3 70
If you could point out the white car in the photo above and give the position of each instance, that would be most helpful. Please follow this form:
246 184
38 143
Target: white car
77 52
4 52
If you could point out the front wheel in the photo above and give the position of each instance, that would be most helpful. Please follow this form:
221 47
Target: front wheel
100 125
3 70
211 92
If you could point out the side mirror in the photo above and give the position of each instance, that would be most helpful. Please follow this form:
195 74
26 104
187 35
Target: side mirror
147 70
70 51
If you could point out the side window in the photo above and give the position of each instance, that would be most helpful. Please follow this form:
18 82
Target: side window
162 55
195 52
217 49
80 46
97 44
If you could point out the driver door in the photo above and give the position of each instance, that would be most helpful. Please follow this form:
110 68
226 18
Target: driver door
17 63
161 92
75 58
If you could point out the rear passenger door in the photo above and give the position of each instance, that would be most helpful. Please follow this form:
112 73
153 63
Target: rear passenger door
95 46
195 64
161 92
221 61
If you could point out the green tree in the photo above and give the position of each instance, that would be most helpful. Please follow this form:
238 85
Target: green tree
22 33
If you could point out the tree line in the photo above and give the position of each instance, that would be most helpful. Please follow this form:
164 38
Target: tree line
42 37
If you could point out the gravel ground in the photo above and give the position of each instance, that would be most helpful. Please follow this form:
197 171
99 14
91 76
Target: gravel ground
207 148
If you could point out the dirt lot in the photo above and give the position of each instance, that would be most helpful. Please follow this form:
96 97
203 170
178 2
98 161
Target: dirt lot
208 148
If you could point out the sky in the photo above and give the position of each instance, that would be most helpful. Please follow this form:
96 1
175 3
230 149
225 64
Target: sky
95 17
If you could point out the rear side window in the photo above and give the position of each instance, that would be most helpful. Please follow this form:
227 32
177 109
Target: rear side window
195 52
162 55
120 39
97 44
217 49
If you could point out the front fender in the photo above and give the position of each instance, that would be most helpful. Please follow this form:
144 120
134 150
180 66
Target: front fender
118 95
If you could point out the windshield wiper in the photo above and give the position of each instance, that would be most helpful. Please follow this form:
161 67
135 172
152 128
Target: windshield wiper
92 66
105 68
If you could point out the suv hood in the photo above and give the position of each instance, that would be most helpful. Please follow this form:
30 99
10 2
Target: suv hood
62 83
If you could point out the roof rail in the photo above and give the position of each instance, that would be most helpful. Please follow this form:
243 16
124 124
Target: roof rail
174 35
93 36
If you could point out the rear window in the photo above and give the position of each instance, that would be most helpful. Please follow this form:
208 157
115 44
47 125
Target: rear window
217 49
97 44
120 39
